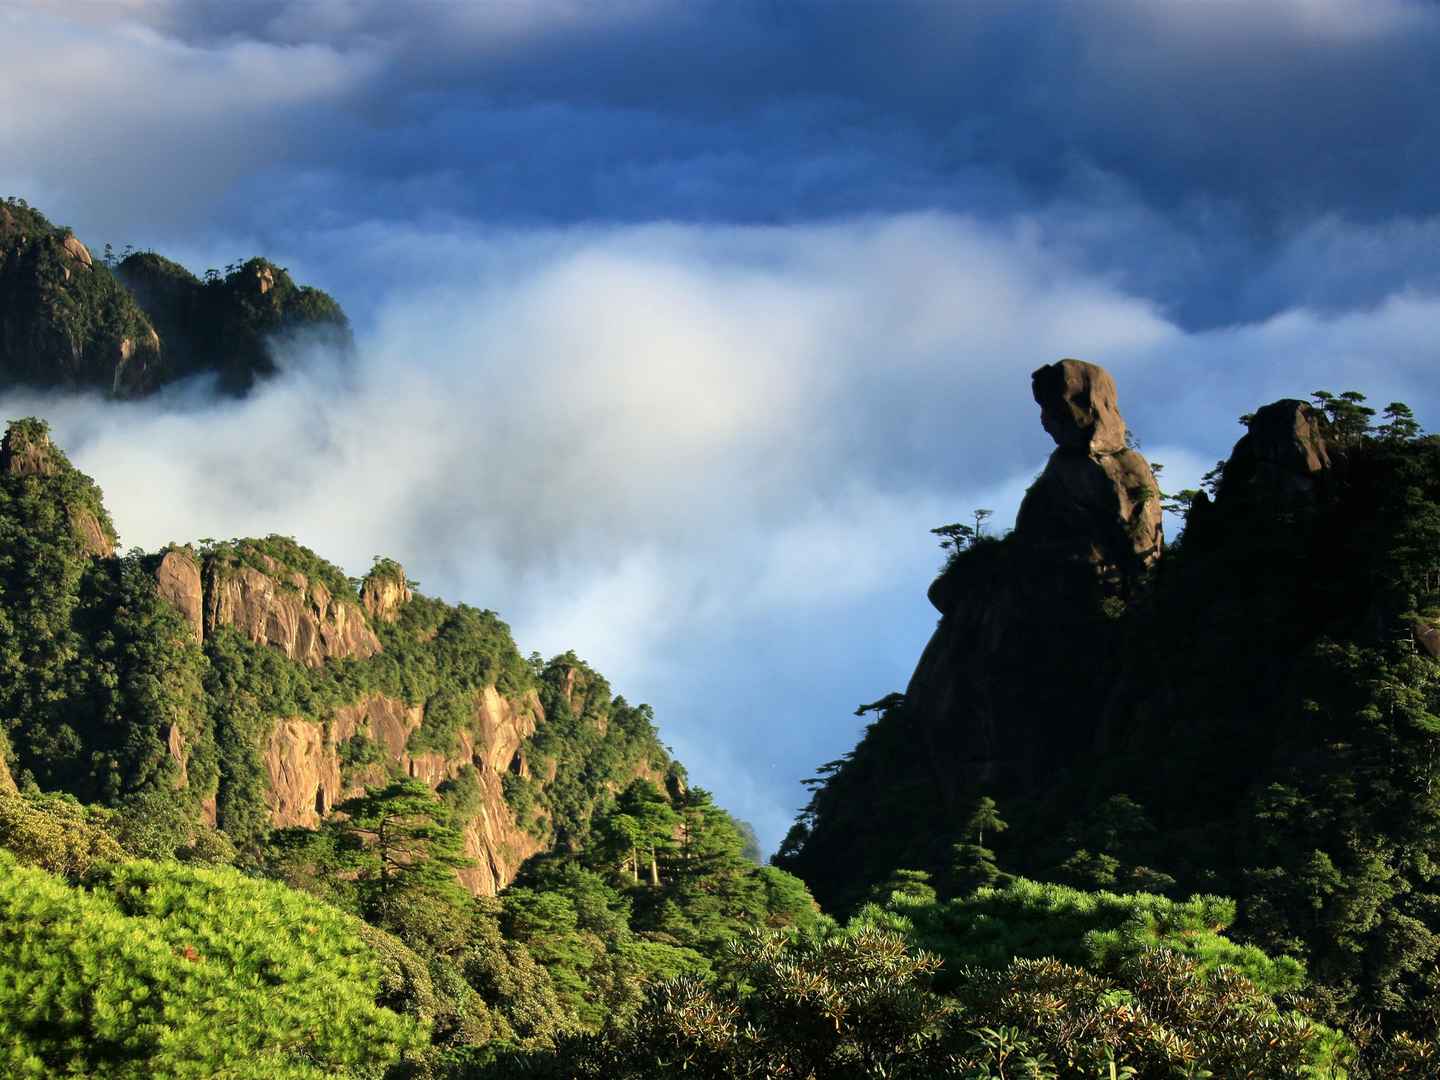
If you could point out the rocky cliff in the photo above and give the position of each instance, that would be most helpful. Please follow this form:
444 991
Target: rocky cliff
1088 531
64 319
227 326
71 321
250 684
282 608
307 773
470 736
1106 690
311 764
1013 682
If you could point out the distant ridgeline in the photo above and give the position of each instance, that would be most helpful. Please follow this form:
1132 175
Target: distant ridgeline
72 321
1253 711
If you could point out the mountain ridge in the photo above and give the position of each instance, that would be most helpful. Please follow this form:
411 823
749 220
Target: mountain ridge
1250 711
130 326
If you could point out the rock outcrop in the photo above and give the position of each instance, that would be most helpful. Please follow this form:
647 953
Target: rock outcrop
70 321
1097 500
1014 680
1281 458
91 532
227 326
76 250
1087 533
1079 407
27 453
303 764
177 578
285 610
385 591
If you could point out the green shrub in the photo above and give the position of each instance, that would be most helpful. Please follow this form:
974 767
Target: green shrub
167 970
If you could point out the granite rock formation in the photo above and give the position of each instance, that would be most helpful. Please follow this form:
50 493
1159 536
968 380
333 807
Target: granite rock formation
64 319
1097 499
1087 532
282 608
1014 680
177 577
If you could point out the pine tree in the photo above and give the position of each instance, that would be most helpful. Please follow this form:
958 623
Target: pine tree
406 855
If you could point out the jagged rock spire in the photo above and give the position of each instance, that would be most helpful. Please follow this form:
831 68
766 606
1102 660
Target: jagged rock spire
1097 499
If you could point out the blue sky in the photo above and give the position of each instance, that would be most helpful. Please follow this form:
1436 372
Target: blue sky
682 321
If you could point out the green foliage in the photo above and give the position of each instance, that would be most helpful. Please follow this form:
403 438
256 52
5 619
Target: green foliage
98 675
278 557
404 854
68 322
358 753
984 816
593 743
861 1005
227 324
56 833
1099 930
447 712
1349 418
663 886
112 699
1160 1014
172 971
575 926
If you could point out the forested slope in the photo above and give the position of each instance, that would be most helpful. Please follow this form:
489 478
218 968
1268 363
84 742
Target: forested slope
393 758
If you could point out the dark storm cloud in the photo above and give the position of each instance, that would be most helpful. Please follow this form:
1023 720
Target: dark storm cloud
1233 126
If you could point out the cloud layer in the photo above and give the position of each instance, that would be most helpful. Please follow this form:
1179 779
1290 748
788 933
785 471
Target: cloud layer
1214 133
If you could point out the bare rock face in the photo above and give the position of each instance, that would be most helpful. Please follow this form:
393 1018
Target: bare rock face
179 753
384 593
1427 636
1282 457
177 579
286 611
27 455
1078 406
1097 500
77 250
92 536
306 781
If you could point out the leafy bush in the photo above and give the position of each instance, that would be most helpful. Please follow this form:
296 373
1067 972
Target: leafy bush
861 1005
56 833
185 972
1097 930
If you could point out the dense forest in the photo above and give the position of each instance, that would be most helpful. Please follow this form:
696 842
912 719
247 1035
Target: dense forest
1145 810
